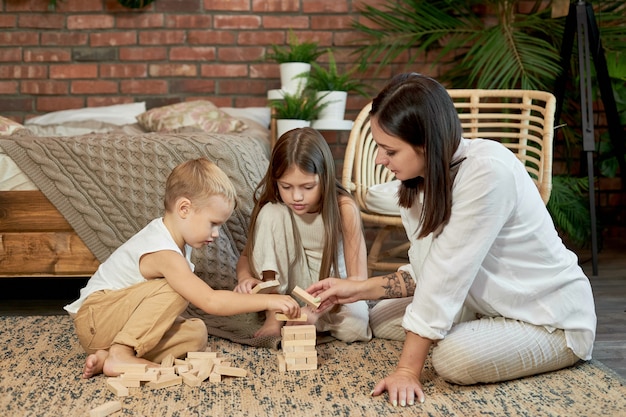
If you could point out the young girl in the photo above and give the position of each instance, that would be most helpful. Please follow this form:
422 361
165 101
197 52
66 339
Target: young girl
305 227
129 311
495 291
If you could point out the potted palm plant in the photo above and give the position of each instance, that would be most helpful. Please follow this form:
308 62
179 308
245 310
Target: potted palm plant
332 87
295 110
295 58
516 50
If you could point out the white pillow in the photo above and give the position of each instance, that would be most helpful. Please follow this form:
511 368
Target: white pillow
382 198
118 114
261 115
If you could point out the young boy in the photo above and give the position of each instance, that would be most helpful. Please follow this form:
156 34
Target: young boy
129 311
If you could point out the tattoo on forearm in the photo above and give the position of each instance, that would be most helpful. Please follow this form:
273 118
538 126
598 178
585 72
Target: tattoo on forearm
398 285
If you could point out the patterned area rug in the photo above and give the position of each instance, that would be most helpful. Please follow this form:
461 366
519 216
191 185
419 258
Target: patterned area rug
41 363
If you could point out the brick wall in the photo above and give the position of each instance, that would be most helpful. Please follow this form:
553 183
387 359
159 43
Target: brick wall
96 52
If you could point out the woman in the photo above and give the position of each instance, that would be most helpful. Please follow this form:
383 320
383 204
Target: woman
495 291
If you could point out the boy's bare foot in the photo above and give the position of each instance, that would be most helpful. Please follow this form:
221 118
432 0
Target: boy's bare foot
94 363
122 354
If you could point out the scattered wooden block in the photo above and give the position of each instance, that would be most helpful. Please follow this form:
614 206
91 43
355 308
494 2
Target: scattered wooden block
283 317
229 370
282 365
123 368
180 369
215 377
128 382
305 297
167 361
190 379
165 381
266 287
105 409
116 387
201 355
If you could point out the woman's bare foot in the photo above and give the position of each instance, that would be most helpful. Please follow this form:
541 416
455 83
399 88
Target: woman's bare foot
94 363
122 354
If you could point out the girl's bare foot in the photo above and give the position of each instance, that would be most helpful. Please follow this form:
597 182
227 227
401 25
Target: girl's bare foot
122 354
94 363
271 327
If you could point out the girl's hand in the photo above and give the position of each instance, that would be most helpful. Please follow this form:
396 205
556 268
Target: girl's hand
333 291
286 304
403 386
246 285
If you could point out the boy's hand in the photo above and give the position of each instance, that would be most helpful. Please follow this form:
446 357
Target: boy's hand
283 303
245 285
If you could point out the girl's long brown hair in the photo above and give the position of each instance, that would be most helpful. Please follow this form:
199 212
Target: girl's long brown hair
419 111
306 149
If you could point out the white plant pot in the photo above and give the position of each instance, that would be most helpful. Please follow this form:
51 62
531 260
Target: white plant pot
290 80
285 125
336 107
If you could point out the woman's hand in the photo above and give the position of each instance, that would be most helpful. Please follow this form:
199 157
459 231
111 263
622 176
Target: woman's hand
403 387
246 285
333 291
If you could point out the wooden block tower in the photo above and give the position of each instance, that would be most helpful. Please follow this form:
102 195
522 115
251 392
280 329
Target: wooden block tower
298 348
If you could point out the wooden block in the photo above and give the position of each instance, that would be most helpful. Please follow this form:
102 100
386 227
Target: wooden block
128 382
302 354
215 377
305 342
168 370
180 369
105 409
167 361
305 297
180 362
205 371
165 381
190 379
123 368
301 328
266 287
201 355
229 370
288 349
282 317
282 365
116 387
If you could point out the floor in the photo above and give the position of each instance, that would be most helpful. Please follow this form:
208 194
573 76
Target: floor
47 297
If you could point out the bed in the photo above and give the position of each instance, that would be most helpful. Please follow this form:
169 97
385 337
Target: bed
47 227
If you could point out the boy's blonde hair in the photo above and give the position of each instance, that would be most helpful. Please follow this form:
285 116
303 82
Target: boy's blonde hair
198 180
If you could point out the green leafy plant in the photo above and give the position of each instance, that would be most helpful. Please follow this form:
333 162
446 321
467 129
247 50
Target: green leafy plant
305 106
322 79
508 49
294 51
568 207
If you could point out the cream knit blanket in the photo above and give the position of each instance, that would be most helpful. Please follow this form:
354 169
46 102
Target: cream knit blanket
109 186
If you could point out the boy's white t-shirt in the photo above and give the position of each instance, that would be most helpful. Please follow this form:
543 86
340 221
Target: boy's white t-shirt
121 269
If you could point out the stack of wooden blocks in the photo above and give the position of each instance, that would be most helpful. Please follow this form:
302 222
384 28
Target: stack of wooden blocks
298 348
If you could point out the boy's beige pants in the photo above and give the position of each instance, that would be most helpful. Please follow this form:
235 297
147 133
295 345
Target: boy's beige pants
145 317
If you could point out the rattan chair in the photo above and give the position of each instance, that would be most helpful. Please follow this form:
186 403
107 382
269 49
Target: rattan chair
523 120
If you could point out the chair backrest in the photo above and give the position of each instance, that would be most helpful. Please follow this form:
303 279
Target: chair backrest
522 120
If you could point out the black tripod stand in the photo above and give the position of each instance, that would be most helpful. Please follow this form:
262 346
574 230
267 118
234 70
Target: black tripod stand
581 21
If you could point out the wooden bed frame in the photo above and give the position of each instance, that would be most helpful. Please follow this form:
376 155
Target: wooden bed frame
37 241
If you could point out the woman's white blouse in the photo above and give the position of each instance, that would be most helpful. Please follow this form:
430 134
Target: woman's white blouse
499 255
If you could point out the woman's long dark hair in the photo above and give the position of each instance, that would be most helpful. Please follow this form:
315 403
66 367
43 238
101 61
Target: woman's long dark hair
306 149
419 111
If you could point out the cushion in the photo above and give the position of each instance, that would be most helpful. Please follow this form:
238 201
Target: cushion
382 198
8 126
117 114
82 127
200 114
